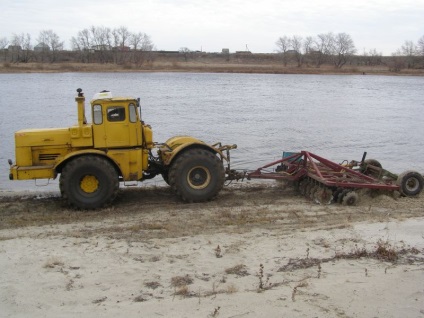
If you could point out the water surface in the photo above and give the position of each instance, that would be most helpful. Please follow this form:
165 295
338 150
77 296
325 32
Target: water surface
336 116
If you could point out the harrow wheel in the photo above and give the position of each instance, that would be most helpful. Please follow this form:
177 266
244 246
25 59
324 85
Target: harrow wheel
342 195
350 198
410 183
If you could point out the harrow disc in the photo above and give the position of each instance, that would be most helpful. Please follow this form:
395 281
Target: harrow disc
324 196
302 186
313 190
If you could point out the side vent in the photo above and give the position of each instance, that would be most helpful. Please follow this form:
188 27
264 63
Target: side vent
47 156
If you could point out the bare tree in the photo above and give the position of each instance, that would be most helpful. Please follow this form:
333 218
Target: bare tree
101 41
141 44
420 46
52 40
308 44
101 44
342 49
3 43
409 50
283 44
397 61
82 43
323 44
186 52
121 44
296 43
372 57
23 41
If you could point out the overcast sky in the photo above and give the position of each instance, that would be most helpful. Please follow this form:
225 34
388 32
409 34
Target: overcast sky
211 25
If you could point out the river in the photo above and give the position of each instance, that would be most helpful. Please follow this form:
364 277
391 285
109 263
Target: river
335 116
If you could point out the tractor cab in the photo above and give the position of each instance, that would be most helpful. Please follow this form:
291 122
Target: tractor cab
115 121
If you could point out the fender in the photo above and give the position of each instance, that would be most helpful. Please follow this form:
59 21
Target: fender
175 145
59 165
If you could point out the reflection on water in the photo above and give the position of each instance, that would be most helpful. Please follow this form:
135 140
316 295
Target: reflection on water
338 117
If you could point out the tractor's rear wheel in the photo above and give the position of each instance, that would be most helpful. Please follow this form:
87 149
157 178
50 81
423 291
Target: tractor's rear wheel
197 175
89 182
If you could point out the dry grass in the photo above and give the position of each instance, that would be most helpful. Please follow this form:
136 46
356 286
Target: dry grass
152 285
198 66
239 270
181 281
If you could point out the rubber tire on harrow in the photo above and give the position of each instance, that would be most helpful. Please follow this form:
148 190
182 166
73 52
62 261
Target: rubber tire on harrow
96 174
410 183
351 198
197 175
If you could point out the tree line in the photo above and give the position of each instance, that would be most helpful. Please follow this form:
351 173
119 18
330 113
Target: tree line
96 44
99 44
339 49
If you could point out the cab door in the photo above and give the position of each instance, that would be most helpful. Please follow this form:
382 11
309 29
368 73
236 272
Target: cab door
116 125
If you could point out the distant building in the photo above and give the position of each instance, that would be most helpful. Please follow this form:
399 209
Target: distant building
225 51
293 52
14 48
41 47
121 48
101 47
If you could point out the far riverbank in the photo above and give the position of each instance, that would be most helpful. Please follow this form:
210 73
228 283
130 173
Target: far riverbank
202 67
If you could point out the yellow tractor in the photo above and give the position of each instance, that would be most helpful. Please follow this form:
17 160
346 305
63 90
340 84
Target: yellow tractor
92 158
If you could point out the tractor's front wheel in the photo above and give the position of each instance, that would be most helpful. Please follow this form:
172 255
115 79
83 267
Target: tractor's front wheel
89 182
197 175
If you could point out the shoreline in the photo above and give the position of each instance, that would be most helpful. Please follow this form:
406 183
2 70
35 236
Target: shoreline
192 67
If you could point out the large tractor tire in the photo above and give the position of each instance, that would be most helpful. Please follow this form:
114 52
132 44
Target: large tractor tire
89 182
410 183
197 175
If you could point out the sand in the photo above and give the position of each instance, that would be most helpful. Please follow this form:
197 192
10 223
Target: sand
255 251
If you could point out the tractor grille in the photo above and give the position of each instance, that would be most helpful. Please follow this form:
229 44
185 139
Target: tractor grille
47 156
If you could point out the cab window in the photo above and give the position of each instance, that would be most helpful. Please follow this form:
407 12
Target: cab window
97 114
116 113
133 113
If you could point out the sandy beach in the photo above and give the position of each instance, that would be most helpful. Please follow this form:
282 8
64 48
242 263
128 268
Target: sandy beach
258 250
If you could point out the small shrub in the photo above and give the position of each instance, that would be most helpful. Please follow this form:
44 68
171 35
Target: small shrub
152 285
239 270
181 281
386 252
182 291
53 262
231 289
